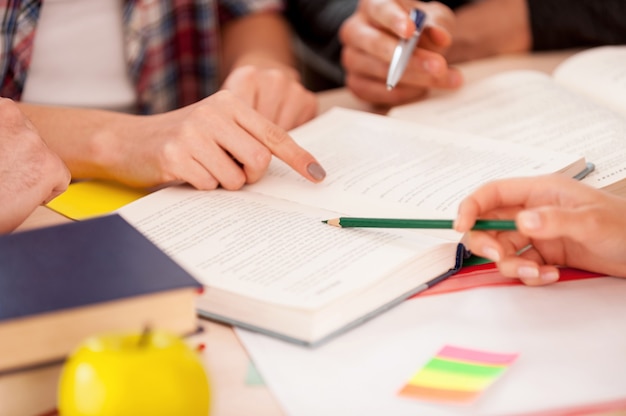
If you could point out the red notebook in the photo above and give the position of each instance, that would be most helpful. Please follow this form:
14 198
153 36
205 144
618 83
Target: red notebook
485 275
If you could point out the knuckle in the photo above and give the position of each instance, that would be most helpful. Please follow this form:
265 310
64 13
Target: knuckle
261 158
383 50
245 73
345 31
247 70
274 79
377 7
208 184
592 219
170 157
275 136
276 75
235 181
444 13
222 99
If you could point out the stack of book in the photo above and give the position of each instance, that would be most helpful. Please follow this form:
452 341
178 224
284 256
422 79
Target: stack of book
62 284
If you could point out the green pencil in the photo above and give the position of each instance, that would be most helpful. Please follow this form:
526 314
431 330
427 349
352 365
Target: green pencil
415 223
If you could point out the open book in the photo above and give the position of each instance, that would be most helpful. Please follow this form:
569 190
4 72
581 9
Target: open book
270 264
580 109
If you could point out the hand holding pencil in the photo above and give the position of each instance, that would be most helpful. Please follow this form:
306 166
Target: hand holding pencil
560 221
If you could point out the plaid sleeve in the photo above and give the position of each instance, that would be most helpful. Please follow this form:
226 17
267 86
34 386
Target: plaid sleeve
230 9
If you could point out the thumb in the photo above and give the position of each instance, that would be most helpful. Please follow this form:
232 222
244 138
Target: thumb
555 222
440 23
436 39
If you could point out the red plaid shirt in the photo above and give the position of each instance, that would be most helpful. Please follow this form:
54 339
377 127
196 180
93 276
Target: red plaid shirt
172 46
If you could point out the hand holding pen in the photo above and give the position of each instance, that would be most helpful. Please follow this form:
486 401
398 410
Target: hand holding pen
403 52
371 35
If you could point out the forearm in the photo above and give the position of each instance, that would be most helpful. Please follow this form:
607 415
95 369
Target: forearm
194 144
87 140
490 27
261 39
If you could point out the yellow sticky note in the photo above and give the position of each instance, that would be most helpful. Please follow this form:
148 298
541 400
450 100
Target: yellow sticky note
89 199
452 381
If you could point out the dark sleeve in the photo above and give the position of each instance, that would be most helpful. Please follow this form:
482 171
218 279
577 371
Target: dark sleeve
317 23
319 20
560 24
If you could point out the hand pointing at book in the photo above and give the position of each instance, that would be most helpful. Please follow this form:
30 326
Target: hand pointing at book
562 222
218 141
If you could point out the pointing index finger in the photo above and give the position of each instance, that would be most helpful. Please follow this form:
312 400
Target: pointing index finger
283 146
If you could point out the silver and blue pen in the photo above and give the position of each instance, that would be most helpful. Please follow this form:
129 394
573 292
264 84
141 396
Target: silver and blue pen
404 50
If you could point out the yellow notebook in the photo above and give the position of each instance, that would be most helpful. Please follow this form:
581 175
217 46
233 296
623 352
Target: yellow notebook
88 199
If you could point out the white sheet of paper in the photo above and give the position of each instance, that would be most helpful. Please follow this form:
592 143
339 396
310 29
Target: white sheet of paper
570 337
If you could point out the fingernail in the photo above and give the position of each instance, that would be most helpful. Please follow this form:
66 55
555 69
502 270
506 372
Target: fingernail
528 272
529 220
432 66
491 253
400 26
316 171
454 79
549 277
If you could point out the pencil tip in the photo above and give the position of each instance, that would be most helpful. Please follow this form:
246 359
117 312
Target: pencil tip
334 222
325 221
389 87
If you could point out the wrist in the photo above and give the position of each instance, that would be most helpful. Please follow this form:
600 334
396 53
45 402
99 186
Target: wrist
108 148
264 61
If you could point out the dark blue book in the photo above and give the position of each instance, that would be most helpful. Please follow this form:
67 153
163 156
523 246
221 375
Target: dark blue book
61 284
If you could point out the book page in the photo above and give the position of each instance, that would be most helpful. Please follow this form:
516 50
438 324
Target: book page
529 108
270 249
598 73
378 166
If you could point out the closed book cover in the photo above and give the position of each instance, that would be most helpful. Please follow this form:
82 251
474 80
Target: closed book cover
62 283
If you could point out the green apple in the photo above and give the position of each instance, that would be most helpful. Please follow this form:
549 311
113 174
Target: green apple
155 373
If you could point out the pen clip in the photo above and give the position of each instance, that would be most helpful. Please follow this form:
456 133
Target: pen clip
419 18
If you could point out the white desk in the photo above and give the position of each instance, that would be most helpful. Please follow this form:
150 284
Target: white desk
226 361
